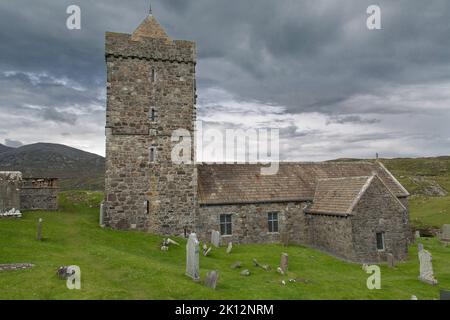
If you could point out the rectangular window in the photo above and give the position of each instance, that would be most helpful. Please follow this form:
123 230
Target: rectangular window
380 241
273 221
152 155
147 206
225 224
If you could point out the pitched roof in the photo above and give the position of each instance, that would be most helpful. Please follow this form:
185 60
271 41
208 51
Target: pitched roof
338 195
150 28
243 183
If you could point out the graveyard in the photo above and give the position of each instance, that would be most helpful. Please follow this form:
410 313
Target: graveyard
131 265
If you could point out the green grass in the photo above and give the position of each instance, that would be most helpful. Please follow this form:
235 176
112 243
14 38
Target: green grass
130 265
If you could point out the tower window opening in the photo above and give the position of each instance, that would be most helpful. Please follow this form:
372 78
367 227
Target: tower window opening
152 155
152 115
153 75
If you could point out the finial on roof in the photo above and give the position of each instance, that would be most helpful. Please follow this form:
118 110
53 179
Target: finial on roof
150 9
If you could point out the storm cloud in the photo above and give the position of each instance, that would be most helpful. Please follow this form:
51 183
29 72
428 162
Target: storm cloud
308 67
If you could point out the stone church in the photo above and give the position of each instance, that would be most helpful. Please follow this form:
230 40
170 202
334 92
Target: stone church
356 211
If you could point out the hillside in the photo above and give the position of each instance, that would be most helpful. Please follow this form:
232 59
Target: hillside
4 148
75 168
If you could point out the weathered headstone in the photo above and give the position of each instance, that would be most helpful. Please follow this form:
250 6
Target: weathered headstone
39 230
426 267
170 241
284 262
390 260
445 233
236 265
417 234
192 257
215 238
102 215
63 273
245 273
211 279
230 247
280 271
285 239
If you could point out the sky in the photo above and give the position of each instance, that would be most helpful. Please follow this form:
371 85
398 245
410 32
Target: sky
310 68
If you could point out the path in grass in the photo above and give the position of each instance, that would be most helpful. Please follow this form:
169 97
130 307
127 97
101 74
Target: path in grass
129 265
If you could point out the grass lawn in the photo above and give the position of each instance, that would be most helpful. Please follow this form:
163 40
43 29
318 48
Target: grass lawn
130 265
429 211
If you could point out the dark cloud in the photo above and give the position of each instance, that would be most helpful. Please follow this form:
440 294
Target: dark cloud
305 56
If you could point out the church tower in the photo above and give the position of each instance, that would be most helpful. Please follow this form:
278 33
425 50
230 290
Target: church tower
151 94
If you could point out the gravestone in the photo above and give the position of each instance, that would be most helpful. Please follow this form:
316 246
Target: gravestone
102 215
236 265
390 260
426 267
230 247
285 239
413 297
192 257
417 234
445 233
215 238
284 262
445 295
245 273
39 230
211 279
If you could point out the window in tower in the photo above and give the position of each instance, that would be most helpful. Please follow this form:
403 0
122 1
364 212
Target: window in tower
152 114
152 155
153 75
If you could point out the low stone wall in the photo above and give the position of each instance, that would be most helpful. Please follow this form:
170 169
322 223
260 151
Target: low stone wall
39 194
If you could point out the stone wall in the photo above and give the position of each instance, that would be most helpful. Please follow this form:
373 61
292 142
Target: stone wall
250 222
379 211
10 183
39 194
332 234
143 111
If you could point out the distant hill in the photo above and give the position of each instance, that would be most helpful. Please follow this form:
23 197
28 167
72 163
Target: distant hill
420 176
75 168
4 148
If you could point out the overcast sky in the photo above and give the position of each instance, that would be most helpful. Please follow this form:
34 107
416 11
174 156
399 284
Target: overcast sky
308 67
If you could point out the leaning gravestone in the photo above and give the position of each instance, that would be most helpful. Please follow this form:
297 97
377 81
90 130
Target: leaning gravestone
39 230
426 267
215 238
445 233
192 257
211 279
284 262
390 260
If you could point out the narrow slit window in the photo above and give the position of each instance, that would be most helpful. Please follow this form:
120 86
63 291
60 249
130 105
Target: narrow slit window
225 224
380 241
152 114
152 155
147 206
153 75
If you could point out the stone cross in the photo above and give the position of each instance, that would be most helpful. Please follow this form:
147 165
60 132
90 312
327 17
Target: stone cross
215 238
426 267
284 262
390 260
192 257
39 230
211 279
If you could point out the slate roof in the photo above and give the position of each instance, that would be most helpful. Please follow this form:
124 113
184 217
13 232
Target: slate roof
339 195
243 183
